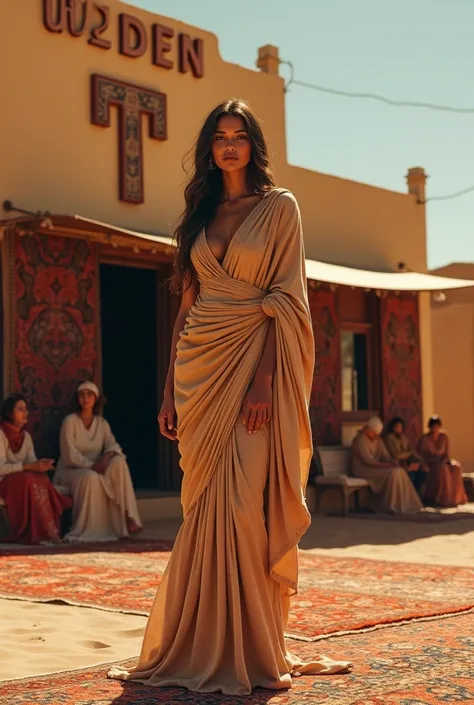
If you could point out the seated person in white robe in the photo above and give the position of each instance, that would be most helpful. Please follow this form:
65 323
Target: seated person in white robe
93 466
392 489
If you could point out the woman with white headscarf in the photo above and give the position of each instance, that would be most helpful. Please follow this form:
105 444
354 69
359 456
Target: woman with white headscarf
93 466
392 489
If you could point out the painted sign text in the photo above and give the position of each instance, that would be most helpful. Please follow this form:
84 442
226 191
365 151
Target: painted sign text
92 19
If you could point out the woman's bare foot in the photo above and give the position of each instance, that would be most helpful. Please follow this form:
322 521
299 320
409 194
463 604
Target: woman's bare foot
133 527
52 540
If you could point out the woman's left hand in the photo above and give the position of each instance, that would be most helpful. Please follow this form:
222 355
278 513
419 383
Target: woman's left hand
257 405
102 463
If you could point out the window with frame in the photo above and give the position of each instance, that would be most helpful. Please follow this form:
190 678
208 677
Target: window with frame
359 353
355 388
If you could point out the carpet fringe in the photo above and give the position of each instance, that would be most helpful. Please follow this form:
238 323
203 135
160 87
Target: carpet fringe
72 603
106 664
382 625
288 635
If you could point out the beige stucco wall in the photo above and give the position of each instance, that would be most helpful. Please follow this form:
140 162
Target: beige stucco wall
53 159
453 364
453 367
357 225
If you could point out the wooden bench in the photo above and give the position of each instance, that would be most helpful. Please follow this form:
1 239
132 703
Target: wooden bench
336 475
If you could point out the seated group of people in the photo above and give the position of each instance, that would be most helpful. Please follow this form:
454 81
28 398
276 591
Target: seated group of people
92 469
402 478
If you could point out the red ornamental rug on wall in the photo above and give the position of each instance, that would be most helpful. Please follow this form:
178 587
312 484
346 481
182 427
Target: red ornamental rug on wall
325 402
337 595
56 328
427 663
401 362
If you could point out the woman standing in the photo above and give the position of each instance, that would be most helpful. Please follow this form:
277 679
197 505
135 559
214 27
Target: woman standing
444 485
93 466
33 505
239 382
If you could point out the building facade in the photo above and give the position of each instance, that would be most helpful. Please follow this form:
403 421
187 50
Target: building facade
102 102
453 362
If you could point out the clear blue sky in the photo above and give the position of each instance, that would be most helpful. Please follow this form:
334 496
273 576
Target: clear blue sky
416 50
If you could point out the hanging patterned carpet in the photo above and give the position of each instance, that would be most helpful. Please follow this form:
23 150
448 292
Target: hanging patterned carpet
337 595
422 663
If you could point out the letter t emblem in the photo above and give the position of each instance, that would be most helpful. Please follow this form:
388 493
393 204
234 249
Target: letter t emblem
132 102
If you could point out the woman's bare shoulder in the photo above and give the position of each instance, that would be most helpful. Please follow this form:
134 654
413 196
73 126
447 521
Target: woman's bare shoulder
284 197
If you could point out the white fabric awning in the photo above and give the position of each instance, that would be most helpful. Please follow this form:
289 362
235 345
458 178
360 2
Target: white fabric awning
329 273
114 229
383 281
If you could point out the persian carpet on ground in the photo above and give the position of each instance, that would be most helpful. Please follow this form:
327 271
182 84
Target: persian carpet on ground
337 595
427 663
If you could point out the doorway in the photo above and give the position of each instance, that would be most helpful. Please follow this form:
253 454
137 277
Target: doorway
129 365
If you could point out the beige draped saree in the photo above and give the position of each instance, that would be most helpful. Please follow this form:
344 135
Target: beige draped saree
217 624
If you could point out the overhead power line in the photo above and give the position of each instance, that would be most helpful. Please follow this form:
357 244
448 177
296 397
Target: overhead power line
449 196
387 101
371 96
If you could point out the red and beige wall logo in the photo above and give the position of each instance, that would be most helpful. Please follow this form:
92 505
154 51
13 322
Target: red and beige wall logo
164 48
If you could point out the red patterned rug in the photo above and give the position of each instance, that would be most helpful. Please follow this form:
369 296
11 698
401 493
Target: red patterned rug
337 595
426 663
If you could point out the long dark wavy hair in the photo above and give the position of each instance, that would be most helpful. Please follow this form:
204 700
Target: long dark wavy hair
203 191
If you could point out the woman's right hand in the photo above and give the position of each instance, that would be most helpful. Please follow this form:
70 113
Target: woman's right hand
167 418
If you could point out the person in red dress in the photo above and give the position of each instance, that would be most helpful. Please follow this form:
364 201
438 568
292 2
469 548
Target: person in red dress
33 505
445 484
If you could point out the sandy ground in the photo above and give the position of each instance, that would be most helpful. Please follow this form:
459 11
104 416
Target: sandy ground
37 638
43 638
